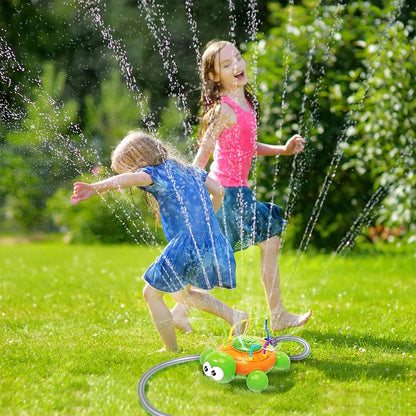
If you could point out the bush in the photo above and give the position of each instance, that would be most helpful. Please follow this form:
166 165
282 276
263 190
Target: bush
343 77
110 218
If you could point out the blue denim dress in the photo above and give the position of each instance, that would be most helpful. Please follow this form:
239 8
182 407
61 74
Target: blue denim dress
246 221
197 253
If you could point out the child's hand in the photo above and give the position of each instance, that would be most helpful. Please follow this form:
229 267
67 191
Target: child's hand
294 145
82 191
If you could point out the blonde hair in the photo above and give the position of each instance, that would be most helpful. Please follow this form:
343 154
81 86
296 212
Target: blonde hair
136 150
139 149
211 91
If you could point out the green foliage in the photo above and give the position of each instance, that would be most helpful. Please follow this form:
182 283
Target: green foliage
117 218
172 126
343 77
108 119
18 190
340 74
31 171
383 146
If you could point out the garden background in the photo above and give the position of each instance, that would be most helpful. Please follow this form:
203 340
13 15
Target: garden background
76 75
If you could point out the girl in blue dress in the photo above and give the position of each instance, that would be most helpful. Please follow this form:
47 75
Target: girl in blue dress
198 256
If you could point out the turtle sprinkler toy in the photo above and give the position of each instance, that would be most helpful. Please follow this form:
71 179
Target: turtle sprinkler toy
242 356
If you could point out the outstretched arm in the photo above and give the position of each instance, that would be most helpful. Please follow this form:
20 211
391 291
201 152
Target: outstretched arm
293 146
83 191
217 192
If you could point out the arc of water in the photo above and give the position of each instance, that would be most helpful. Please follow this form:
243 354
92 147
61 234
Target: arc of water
348 240
295 172
157 27
18 88
286 59
253 23
189 227
9 60
194 30
253 27
233 20
92 7
346 132
211 235
115 46
286 56
300 162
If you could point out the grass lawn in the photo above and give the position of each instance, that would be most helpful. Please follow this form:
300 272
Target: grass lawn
76 335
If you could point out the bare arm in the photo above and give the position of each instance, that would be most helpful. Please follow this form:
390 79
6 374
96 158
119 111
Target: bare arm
217 192
83 191
224 119
293 146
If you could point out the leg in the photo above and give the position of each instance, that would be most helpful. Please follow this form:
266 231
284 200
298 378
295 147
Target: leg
161 317
279 317
201 299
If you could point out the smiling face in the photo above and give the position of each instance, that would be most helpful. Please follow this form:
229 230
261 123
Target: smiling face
229 68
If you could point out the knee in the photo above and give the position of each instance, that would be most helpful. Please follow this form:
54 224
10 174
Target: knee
271 245
182 296
148 293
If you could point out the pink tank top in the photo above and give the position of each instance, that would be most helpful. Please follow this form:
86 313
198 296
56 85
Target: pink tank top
235 147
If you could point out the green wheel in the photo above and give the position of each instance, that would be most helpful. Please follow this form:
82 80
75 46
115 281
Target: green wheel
257 381
282 361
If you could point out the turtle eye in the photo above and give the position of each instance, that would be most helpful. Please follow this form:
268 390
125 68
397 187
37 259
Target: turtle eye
207 369
217 373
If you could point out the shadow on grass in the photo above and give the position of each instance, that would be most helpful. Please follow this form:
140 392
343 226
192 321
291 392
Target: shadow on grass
359 357
279 383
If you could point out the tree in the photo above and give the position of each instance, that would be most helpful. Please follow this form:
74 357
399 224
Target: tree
30 170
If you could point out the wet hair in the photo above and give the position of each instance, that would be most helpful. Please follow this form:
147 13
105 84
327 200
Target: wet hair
211 90
136 150
139 149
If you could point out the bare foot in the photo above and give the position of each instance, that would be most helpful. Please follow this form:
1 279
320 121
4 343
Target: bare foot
180 318
157 351
284 320
240 323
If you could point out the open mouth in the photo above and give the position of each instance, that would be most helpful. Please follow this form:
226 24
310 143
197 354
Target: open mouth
239 75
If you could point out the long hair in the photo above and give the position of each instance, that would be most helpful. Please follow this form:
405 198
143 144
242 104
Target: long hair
210 101
139 149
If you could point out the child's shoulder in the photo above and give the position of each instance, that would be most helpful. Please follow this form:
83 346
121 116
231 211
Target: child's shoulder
226 114
221 114
226 107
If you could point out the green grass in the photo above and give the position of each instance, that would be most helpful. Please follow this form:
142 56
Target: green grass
76 335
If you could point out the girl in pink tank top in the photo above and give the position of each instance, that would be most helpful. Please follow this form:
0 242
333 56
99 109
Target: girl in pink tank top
235 148
229 131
